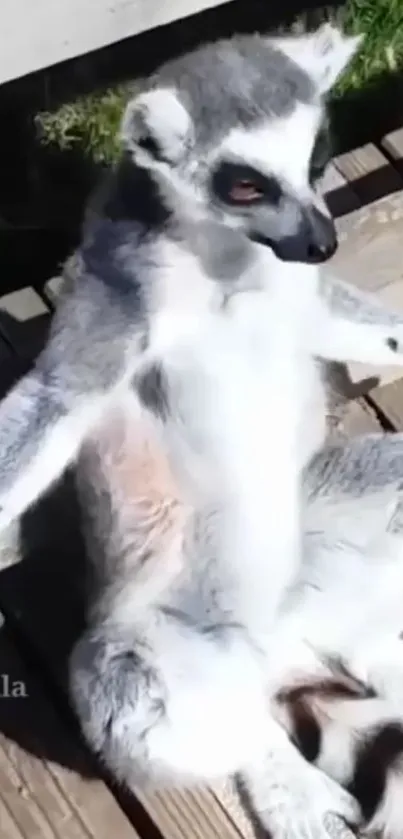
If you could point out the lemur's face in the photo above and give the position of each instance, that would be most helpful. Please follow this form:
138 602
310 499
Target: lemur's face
235 132
265 183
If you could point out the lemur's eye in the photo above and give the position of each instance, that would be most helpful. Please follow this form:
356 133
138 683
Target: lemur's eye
245 192
239 184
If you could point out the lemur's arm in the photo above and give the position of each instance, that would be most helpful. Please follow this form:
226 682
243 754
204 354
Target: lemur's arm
353 326
46 416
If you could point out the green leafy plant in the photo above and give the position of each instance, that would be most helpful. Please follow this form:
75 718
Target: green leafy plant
91 122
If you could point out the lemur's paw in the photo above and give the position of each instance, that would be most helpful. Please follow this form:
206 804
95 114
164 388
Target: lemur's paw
312 806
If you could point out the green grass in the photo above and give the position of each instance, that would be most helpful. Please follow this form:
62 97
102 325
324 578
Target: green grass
381 21
91 122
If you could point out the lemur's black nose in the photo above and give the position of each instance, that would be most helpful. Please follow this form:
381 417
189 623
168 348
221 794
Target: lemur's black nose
314 241
321 241
320 252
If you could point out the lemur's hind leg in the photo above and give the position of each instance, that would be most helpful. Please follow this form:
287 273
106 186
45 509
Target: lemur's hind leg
177 706
156 694
165 701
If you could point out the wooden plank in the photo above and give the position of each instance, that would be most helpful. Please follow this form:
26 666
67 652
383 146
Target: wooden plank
389 400
46 32
198 811
370 249
229 800
24 319
343 393
359 418
47 787
392 296
339 196
377 376
393 145
369 173
348 411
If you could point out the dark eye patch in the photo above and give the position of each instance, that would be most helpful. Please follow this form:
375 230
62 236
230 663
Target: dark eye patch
150 144
229 177
320 156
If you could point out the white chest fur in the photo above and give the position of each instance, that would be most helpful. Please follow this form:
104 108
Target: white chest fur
243 379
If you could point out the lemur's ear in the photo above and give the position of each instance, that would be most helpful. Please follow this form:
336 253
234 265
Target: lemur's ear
324 54
157 123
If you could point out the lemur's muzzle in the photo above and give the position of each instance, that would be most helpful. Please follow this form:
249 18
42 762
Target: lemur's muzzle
314 241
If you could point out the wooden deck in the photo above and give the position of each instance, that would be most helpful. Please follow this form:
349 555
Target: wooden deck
49 786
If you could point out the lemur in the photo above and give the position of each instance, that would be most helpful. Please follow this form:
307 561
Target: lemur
186 354
340 693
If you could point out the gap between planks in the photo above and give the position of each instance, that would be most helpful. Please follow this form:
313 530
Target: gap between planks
388 400
369 173
340 198
359 418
